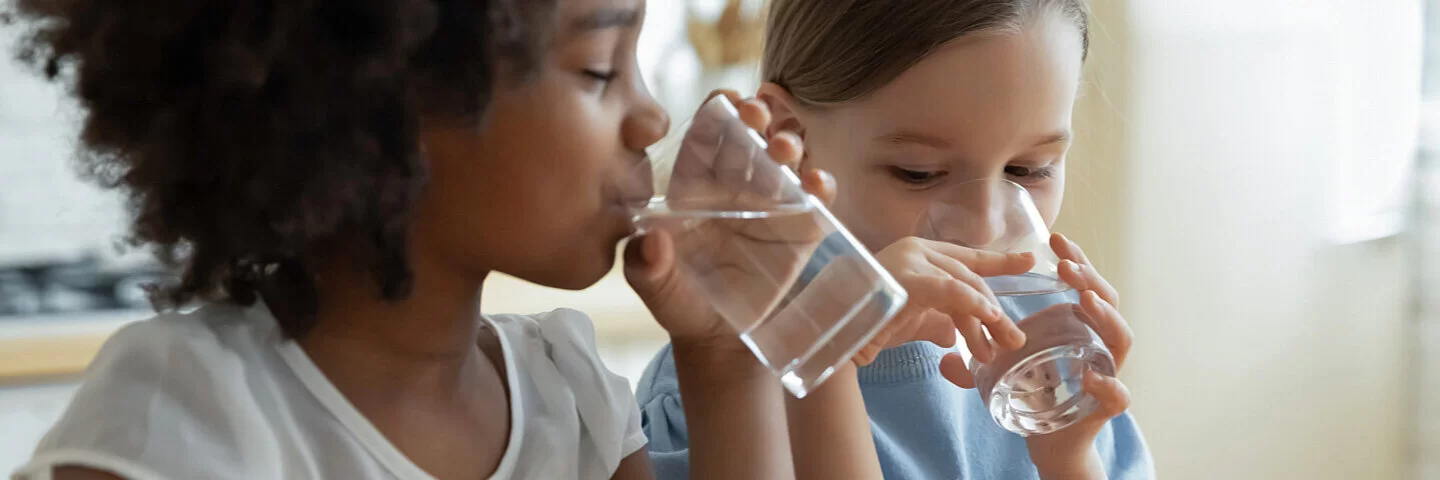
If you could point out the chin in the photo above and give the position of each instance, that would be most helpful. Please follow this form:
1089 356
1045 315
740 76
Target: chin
582 273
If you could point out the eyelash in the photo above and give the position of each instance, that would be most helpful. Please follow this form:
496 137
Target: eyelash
922 178
1036 174
601 76
915 177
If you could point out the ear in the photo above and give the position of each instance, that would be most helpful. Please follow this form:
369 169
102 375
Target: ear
785 114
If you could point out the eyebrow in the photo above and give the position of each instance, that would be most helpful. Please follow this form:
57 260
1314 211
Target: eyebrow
903 137
910 137
1062 136
605 18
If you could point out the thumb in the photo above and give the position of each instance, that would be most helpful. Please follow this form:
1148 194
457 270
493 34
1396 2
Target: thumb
1111 398
650 264
953 368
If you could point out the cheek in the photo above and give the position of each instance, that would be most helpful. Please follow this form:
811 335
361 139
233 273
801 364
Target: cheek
877 212
553 162
1048 202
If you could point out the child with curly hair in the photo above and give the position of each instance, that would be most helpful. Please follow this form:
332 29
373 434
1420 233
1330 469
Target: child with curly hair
335 179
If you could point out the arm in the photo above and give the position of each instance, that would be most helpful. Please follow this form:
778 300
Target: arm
830 431
1089 467
736 420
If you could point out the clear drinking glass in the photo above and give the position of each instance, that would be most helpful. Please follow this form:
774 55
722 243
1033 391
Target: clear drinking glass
1037 389
802 293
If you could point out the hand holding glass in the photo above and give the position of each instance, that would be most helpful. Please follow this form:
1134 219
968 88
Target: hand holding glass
1037 389
772 261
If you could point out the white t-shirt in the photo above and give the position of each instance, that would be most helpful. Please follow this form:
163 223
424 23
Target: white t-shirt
221 394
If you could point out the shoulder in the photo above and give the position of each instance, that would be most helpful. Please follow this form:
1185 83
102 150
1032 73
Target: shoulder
563 337
562 341
565 325
141 348
659 380
157 385
662 415
159 353
558 352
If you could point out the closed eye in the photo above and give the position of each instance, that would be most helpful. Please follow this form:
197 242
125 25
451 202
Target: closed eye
1030 174
916 177
601 75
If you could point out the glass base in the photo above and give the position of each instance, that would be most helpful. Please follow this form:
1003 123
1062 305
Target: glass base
1043 393
803 355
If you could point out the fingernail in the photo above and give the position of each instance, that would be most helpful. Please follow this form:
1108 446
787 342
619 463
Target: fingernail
1093 296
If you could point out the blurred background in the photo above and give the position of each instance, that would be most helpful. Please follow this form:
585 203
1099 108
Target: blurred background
1259 178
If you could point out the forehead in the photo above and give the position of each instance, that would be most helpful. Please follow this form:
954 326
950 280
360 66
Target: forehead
572 11
993 86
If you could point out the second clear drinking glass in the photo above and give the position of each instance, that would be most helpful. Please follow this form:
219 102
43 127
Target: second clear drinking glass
1037 389
800 291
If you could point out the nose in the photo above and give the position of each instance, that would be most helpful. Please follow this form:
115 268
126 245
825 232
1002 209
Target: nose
646 123
973 216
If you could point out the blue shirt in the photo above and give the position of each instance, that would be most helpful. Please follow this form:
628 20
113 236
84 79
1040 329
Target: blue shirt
924 426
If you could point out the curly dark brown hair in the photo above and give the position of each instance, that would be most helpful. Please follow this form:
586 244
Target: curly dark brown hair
246 132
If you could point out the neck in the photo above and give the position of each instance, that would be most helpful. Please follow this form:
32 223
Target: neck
425 340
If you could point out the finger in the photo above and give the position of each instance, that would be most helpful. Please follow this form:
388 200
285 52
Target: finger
935 327
820 184
1071 274
1067 249
650 264
1109 324
1100 285
960 272
953 368
1083 276
961 301
787 149
867 354
1111 397
754 112
948 295
735 101
975 340
985 263
974 337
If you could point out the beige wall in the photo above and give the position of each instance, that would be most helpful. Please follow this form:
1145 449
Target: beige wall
1265 350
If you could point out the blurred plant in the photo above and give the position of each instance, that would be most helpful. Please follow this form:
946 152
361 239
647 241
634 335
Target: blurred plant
732 39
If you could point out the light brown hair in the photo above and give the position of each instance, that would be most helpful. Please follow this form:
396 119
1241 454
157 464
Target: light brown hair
828 52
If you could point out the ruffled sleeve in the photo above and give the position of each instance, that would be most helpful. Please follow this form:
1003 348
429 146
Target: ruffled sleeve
662 416
604 401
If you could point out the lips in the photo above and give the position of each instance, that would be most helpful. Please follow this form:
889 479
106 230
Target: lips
637 185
